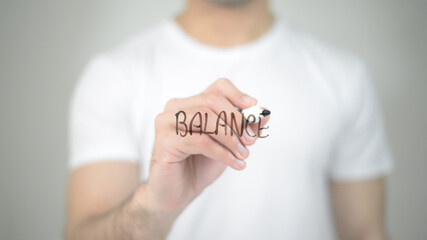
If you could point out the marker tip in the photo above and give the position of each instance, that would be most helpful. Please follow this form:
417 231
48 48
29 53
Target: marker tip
265 112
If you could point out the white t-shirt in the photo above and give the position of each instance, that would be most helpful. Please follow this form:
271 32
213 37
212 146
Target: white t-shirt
325 125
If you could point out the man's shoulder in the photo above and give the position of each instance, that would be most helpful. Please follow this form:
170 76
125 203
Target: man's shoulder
340 71
124 64
318 51
138 47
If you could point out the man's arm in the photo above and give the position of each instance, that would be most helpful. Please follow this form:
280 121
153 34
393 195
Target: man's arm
101 204
106 200
358 209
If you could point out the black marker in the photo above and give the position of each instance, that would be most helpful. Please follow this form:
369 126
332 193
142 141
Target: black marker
258 113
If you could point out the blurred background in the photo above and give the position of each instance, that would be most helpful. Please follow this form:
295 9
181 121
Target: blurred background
45 44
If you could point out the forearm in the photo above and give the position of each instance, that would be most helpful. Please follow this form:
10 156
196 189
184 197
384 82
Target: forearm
131 220
359 209
377 235
372 235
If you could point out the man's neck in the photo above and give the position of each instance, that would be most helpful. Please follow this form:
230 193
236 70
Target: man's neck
223 26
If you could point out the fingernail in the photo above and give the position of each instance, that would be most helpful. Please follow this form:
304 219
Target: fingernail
240 164
247 99
243 151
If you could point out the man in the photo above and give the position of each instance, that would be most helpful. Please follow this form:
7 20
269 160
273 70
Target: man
318 175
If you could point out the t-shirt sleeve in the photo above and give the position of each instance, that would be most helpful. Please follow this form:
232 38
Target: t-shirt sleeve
99 126
362 151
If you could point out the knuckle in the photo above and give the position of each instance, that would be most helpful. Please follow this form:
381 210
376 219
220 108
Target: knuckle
211 99
171 103
162 142
159 120
203 111
223 81
226 155
237 95
235 142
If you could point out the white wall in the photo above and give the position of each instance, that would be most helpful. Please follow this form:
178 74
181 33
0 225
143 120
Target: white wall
45 44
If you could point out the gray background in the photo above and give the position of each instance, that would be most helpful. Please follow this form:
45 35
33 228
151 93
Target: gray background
45 44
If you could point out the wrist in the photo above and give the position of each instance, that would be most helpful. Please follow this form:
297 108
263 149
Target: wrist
138 219
145 204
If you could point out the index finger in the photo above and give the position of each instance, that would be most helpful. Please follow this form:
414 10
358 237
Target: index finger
226 88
